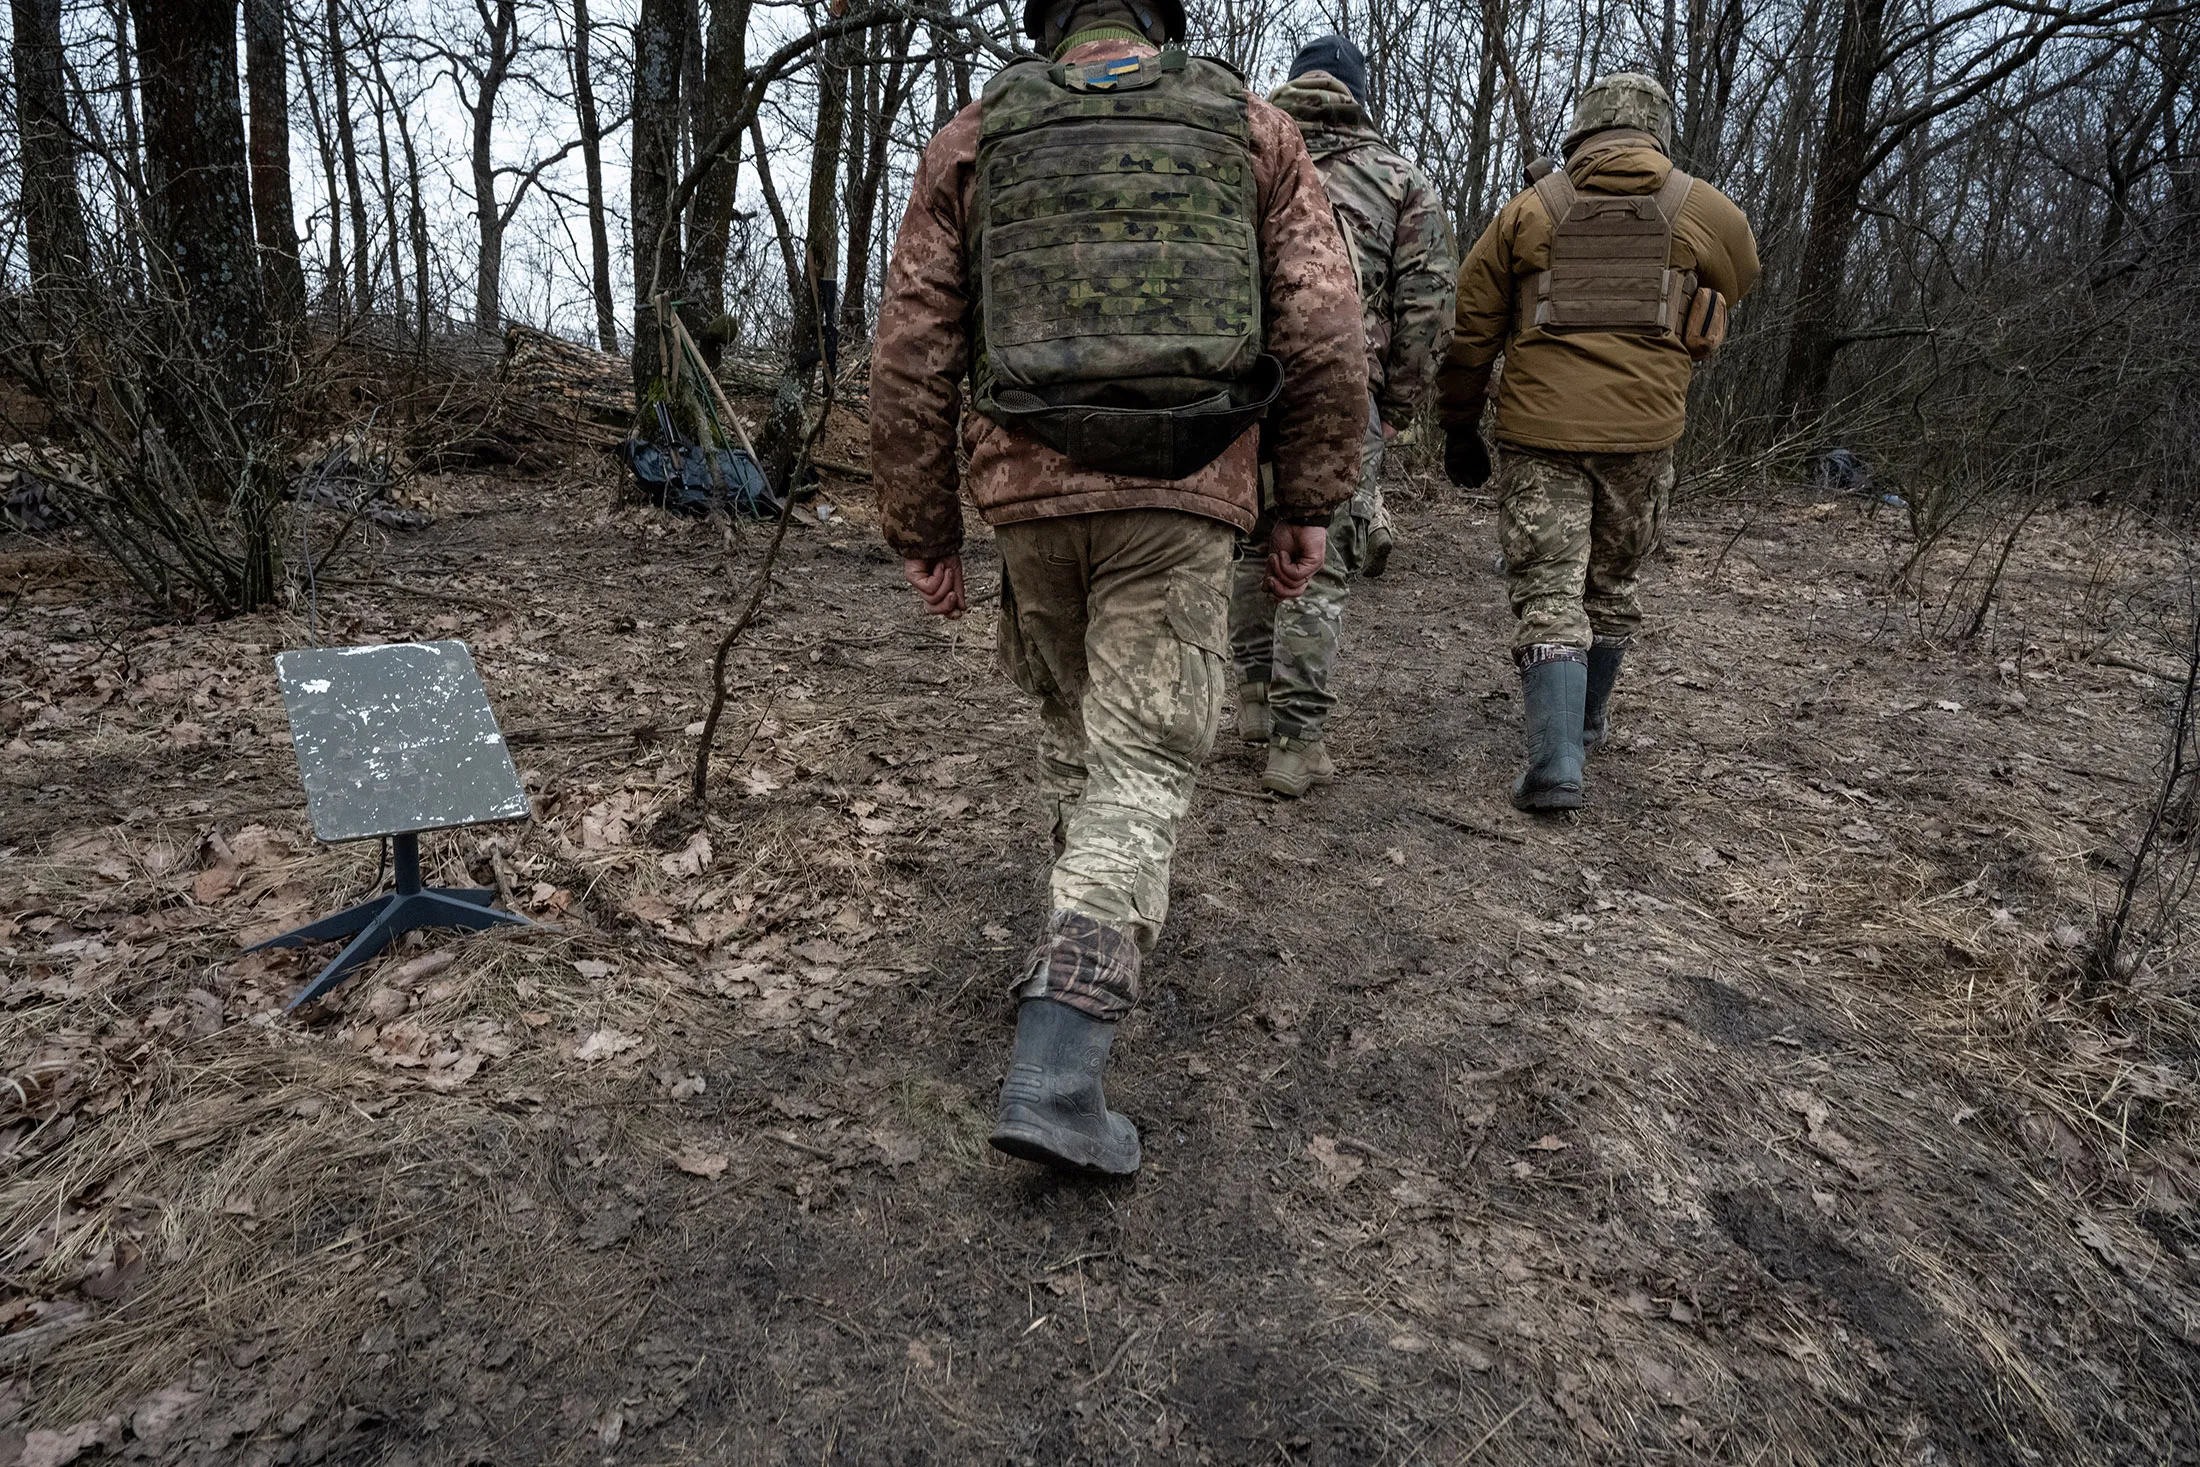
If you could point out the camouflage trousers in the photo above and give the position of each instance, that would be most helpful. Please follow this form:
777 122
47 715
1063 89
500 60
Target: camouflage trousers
1118 623
1292 645
1575 529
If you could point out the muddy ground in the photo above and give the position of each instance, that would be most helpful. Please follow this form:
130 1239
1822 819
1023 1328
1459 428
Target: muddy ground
1762 1113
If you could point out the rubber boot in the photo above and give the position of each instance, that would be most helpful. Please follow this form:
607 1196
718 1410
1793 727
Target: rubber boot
1296 766
1604 660
1380 543
1553 693
1252 715
1052 1109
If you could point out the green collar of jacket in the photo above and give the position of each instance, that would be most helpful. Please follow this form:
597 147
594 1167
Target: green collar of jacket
1098 33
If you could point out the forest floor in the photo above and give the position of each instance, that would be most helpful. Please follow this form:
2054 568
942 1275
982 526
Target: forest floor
1761 1113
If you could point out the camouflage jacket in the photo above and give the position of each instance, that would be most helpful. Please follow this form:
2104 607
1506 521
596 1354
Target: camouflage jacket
922 355
1399 238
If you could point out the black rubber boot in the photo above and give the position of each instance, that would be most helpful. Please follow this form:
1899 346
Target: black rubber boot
1052 1108
1553 692
1604 660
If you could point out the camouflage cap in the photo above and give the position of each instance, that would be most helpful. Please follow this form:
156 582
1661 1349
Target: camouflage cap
1623 99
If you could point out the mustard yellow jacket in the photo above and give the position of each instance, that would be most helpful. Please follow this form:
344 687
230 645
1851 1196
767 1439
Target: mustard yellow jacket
1594 391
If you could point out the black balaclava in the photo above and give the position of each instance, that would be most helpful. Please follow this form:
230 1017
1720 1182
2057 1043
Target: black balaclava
1337 56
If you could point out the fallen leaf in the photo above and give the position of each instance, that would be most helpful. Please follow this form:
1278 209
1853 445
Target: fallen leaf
693 859
1548 1143
1341 1166
592 968
604 1043
697 1162
214 883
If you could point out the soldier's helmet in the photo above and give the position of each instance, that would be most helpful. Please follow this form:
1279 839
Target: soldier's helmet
1623 99
1047 21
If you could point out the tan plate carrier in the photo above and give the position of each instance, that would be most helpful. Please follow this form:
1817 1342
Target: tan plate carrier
1610 262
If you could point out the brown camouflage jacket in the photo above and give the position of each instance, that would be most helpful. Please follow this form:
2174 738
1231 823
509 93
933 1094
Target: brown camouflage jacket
1400 240
922 355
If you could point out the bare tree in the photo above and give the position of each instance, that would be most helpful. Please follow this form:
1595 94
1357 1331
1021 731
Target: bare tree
274 216
53 212
599 239
347 144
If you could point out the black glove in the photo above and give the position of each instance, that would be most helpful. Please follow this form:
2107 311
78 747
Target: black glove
1466 458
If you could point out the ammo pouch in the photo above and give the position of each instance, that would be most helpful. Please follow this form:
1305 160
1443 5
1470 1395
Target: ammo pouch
1703 325
1144 442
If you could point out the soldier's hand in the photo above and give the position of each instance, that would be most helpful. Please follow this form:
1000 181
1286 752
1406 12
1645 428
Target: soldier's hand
940 583
1466 458
1295 552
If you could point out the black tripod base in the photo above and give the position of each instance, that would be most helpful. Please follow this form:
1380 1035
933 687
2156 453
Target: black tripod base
380 922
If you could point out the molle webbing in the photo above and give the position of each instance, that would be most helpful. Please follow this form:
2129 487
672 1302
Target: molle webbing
1611 260
1118 261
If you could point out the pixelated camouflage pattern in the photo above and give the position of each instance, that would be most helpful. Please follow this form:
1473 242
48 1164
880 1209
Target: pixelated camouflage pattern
1623 99
1400 240
1118 624
1293 645
1576 528
922 354
1086 964
1114 239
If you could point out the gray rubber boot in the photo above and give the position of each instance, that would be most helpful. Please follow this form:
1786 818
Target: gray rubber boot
1052 1108
1553 693
1604 660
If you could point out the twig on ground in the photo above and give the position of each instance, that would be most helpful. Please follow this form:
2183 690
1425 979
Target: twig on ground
1471 827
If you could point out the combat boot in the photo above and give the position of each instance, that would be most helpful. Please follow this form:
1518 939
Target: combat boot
1296 766
1553 689
1380 543
1252 715
1052 1108
1604 660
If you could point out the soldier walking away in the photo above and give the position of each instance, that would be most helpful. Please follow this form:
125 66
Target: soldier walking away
1121 339
1603 284
1403 259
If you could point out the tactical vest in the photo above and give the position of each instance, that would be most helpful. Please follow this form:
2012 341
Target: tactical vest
1610 261
1117 255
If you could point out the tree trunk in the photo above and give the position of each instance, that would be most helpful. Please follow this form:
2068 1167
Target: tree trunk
885 99
1836 196
710 221
195 156
1485 119
332 283
813 313
53 211
347 144
389 200
659 33
128 201
599 237
267 79
416 213
503 37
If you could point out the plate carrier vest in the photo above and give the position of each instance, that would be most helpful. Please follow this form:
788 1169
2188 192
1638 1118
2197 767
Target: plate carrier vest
1610 262
1117 256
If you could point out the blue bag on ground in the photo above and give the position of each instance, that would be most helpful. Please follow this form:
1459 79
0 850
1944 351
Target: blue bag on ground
675 474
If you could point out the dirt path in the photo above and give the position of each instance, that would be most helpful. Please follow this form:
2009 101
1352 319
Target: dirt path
1749 1117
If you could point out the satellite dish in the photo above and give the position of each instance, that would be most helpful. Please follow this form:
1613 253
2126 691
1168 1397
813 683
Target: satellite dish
394 740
